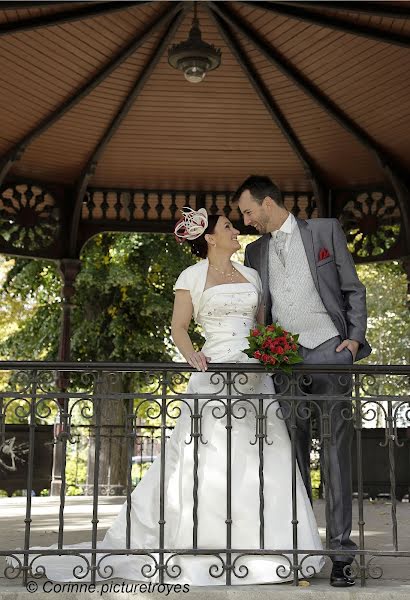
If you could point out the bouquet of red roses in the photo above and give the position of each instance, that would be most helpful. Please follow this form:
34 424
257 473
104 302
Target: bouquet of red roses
274 347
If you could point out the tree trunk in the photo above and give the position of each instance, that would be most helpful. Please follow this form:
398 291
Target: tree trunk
113 449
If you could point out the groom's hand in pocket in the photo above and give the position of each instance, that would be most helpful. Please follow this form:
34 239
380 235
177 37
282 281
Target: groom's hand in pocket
351 345
199 361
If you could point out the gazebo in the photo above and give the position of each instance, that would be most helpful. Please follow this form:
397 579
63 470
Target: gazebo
115 115
101 133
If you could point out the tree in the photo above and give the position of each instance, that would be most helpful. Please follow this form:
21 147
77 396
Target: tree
389 335
124 301
388 316
123 306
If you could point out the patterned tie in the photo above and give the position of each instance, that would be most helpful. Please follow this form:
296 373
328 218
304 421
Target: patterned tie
279 242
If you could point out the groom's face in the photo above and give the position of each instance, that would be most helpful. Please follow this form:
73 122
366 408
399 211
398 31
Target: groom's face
254 214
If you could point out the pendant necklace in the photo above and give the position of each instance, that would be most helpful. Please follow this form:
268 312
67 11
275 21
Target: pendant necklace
230 275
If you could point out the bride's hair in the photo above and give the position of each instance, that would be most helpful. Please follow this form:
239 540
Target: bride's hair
199 246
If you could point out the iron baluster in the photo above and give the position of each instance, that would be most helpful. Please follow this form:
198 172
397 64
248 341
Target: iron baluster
359 450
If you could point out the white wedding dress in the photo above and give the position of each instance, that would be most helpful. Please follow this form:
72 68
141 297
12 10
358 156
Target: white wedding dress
226 313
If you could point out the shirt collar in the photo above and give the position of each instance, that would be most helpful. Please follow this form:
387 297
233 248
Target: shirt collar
287 226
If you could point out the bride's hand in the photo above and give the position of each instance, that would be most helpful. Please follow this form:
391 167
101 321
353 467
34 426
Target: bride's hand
198 360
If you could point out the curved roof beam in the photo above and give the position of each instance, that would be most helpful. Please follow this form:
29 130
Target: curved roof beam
308 164
393 170
15 153
332 22
89 169
292 73
83 12
377 9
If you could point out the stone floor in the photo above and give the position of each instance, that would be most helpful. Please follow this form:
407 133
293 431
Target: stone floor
395 582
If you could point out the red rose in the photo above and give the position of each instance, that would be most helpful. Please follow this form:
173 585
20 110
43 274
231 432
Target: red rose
272 360
270 328
257 354
265 358
294 347
255 332
286 347
279 350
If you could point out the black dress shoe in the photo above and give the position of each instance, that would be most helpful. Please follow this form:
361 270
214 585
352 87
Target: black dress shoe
341 575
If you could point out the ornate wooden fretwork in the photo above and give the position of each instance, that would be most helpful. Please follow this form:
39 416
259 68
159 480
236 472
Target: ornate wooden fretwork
372 223
157 210
30 218
106 206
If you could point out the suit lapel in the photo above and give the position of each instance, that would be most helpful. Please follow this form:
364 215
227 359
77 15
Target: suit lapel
307 239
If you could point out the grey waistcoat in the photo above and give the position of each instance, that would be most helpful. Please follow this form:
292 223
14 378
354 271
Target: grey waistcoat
296 304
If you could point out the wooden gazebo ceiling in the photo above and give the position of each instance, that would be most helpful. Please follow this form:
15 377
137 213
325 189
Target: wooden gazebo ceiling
330 102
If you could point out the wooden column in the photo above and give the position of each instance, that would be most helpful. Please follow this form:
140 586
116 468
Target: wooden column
69 269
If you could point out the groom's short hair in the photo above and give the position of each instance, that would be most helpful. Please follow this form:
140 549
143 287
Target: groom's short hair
259 186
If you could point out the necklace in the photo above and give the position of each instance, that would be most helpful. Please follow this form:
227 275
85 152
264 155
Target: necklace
230 275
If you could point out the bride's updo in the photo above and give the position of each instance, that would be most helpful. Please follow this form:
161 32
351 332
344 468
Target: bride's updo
199 246
193 227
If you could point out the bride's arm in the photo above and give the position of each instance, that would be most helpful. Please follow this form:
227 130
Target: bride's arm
181 319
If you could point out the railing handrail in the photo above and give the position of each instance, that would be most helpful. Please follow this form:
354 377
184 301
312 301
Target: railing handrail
212 367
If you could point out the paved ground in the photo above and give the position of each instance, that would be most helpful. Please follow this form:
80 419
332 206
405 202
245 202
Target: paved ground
395 582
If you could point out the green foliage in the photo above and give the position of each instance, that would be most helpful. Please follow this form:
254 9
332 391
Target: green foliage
315 481
388 315
30 309
124 299
123 302
122 312
123 306
76 469
389 335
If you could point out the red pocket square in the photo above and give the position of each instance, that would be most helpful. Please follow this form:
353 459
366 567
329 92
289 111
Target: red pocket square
323 253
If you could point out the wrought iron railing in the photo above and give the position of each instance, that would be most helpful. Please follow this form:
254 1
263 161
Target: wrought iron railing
155 395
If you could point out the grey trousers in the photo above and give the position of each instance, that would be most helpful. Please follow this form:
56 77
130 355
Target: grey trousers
336 461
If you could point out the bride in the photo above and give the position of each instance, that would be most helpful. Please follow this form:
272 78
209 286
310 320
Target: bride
219 497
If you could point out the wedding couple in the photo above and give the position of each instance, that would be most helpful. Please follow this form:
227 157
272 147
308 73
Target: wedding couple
299 273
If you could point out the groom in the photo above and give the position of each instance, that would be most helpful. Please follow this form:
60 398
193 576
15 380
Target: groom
310 286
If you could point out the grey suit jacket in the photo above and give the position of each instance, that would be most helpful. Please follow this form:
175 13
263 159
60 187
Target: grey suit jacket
335 277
